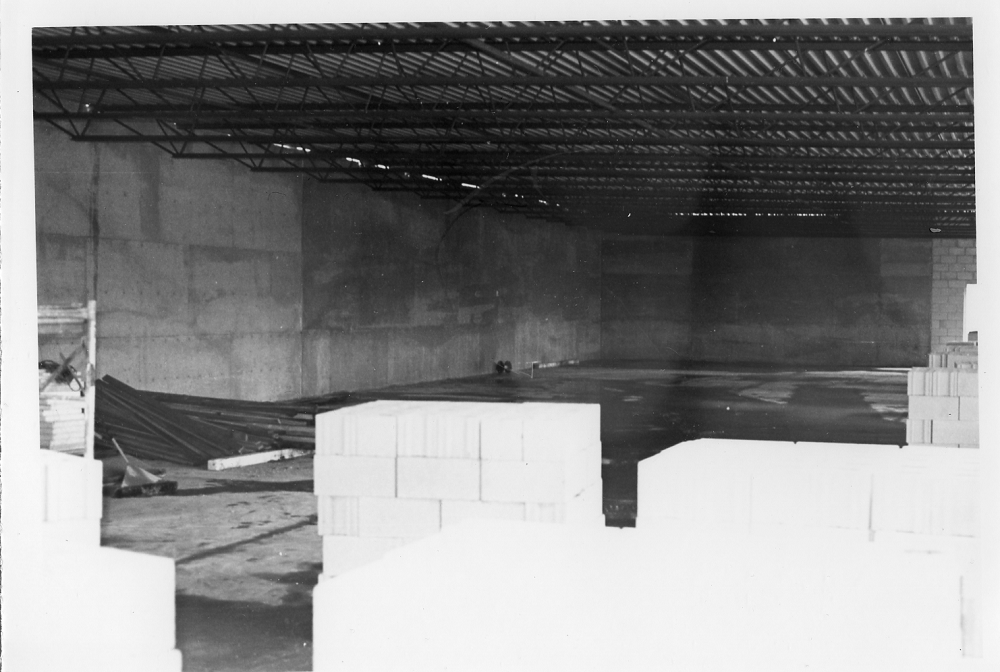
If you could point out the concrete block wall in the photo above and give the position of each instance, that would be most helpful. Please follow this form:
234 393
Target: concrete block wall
944 399
196 266
390 472
393 294
954 268
812 301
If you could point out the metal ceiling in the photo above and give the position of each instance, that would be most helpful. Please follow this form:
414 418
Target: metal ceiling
790 127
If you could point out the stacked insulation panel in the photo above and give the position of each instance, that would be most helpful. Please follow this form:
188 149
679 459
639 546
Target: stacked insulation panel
391 472
62 418
944 399
71 498
910 500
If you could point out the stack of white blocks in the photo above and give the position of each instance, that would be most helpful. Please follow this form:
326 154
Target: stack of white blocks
71 498
493 595
62 421
916 499
944 399
391 472
92 600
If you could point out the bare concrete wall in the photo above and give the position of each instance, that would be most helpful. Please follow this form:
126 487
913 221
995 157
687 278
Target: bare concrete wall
196 266
388 298
816 301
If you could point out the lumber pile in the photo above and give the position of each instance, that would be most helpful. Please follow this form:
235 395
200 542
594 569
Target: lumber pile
151 430
193 430
289 424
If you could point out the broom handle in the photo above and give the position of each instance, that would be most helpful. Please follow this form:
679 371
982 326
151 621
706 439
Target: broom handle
120 451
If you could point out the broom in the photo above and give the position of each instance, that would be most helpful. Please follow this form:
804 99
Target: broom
138 482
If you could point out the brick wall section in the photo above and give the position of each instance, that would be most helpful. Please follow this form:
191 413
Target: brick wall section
954 267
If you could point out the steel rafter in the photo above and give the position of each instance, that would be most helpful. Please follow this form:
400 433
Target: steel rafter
544 118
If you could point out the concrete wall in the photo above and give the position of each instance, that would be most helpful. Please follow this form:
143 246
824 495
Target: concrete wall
196 266
387 300
954 268
815 301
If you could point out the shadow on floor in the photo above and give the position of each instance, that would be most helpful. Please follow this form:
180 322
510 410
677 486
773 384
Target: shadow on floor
229 636
215 487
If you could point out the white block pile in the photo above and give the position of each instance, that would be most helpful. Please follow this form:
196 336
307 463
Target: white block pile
500 595
71 498
944 399
92 607
62 420
391 472
95 609
915 499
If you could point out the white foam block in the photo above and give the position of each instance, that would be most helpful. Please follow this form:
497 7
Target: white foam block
366 429
452 431
89 601
437 478
968 408
740 483
502 434
489 596
337 515
71 486
919 431
582 469
454 512
928 490
350 475
397 517
967 383
702 480
509 481
933 408
587 508
954 432
342 553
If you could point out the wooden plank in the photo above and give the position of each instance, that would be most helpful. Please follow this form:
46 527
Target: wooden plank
256 458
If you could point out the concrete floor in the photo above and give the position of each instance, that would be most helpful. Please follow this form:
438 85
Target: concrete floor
245 541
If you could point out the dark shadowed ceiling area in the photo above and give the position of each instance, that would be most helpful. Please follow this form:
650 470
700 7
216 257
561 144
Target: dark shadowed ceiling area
793 127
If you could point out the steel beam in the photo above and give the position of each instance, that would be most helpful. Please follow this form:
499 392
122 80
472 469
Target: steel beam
534 81
497 141
506 32
647 45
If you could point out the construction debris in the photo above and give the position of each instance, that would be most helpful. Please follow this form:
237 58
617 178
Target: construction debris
193 430
221 463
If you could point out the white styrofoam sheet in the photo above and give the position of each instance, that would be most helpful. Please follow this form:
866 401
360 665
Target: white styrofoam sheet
497 595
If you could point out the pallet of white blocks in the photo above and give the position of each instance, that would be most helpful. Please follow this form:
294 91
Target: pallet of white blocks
391 472
909 500
944 399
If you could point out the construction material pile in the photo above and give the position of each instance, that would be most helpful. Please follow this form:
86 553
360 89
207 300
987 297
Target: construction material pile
193 430
62 420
